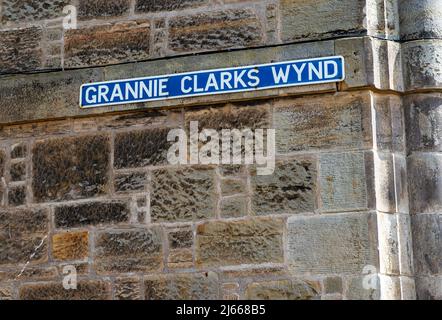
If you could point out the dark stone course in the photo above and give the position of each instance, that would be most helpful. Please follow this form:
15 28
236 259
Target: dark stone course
17 196
18 171
92 213
126 182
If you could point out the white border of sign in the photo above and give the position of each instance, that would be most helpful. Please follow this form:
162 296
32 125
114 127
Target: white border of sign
213 93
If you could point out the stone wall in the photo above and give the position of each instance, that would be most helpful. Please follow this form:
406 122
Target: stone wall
357 183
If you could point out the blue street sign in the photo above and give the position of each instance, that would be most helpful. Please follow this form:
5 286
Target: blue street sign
209 82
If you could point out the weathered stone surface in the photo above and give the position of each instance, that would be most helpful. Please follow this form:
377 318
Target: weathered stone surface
356 290
184 286
229 117
420 19
31 10
91 213
423 117
230 187
43 96
427 243
128 289
180 239
429 288
70 168
333 285
17 196
70 245
425 182
322 122
183 194
107 44
180 259
20 50
141 148
215 30
30 274
343 243
127 182
22 233
102 8
282 290
86 290
18 171
224 243
299 19
342 180
2 163
129 251
290 189
166 5
6 292
421 60
233 207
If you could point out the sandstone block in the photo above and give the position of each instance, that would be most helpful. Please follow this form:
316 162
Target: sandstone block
86 290
166 5
107 44
128 289
234 207
91 213
70 246
129 182
343 243
254 241
185 286
70 168
322 122
290 189
429 288
183 194
420 19
282 290
32 10
215 30
89 9
129 251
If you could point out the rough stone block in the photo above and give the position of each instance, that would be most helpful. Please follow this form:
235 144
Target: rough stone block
141 148
22 233
127 182
86 290
17 196
290 189
70 168
18 171
91 213
129 251
254 241
166 5
356 290
343 243
185 286
421 60
70 245
300 19
420 19
20 50
18 151
282 290
427 243
425 182
333 285
342 179
233 207
232 186
180 239
215 30
107 44
322 122
89 9
32 10
429 288
423 117
128 289
183 194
